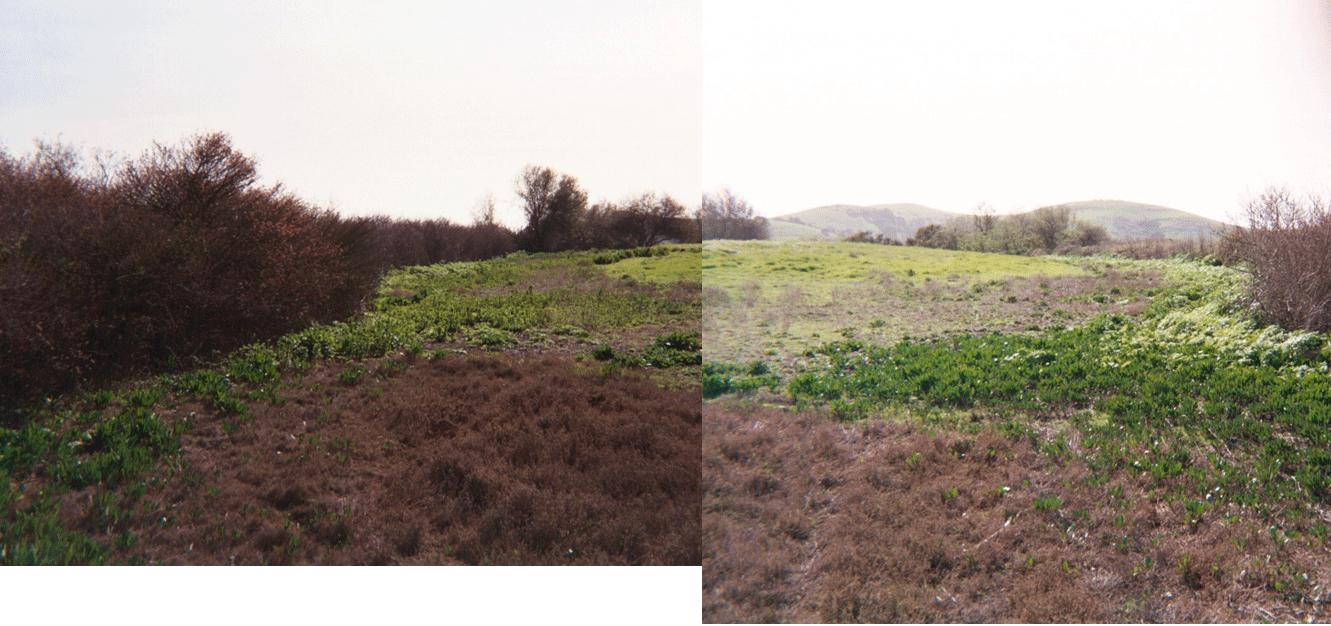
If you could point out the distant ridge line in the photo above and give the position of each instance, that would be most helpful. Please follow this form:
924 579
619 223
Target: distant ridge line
1123 219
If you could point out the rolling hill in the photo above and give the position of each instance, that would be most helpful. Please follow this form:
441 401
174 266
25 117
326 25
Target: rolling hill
1123 220
1133 220
898 221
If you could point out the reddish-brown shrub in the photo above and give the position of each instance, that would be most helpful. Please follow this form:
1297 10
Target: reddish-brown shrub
399 243
114 270
110 271
1287 248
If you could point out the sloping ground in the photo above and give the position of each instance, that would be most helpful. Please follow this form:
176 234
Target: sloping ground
1134 220
782 230
806 519
475 459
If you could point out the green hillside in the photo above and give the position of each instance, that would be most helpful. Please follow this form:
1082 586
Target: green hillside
898 221
1134 220
782 230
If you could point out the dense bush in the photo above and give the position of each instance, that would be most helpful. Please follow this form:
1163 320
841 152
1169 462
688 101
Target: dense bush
112 270
934 236
174 254
402 243
1287 248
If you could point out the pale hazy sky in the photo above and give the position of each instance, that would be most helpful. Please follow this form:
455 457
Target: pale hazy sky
409 108
1192 104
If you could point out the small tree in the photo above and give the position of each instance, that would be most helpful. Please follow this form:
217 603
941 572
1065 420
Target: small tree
484 215
553 204
984 218
1050 225
934 236
650 219
1088 234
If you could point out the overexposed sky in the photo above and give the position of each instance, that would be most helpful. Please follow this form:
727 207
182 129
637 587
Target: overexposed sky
1195 104
410 108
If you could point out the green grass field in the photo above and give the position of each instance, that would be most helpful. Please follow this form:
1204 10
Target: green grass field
682 264
823 266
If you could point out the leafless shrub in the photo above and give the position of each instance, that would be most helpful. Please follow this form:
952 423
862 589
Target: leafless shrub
116 270
1287 248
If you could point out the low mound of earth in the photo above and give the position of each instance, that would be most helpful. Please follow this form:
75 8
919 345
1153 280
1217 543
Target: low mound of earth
810 520
464 459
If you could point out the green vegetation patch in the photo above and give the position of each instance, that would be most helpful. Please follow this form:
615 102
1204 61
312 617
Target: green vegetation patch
723 378
661 264
675 349
818 266
1219 406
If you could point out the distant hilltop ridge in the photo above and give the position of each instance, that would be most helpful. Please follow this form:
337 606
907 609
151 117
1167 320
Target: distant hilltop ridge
1123 220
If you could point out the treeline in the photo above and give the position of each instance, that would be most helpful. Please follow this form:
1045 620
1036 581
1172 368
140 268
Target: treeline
108 270
1047 230
724 215
559 217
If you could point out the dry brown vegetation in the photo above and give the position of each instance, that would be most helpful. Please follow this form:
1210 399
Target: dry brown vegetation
467 459
1287 247
807 519
113 270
